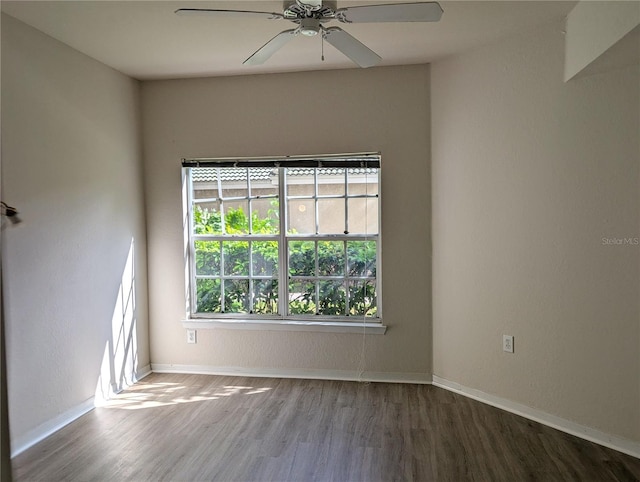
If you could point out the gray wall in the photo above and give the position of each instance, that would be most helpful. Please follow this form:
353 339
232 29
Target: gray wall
385 109
71 165
529 175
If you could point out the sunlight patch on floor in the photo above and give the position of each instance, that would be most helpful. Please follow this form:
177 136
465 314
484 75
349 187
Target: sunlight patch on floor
152 395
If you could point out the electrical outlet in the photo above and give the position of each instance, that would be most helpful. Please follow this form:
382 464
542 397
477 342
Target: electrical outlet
507 343
191 336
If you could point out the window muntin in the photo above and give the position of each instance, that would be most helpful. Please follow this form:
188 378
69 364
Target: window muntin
322 239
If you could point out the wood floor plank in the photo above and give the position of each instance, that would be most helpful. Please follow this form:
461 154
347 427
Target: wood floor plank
208 428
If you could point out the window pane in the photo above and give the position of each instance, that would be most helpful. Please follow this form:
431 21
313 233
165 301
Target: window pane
362 298
301 216
363 216
331 182
207 258
331 216
265 216
234 182
263 178
235 217
361 258
332 299
264 255
236 258
265 296
302 296
302 258
330 258
236 296
205 190
300 182
206 218
361 183
208 296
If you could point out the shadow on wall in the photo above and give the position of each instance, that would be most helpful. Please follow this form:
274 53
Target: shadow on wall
120 359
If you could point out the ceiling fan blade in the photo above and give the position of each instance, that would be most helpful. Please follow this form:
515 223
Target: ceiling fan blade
227 13
397 12
351 47
261 55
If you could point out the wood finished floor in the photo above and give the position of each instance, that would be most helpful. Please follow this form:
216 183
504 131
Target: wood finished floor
200 427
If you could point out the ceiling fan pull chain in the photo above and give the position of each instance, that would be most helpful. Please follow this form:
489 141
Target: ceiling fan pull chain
322 45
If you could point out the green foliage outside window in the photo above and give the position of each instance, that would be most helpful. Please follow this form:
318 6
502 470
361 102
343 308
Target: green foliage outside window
355 297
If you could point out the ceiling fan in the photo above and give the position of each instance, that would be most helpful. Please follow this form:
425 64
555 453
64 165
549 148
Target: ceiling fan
311 15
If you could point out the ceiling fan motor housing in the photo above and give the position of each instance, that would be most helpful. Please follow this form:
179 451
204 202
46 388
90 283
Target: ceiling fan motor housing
296 9
313 4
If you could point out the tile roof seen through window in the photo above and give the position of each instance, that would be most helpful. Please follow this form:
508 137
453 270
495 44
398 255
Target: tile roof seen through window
209 174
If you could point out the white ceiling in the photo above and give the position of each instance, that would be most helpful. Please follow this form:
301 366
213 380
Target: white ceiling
146 40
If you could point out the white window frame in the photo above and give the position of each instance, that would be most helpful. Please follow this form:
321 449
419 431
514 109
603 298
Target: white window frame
283 320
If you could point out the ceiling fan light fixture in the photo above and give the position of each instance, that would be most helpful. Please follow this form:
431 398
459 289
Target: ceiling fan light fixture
309 27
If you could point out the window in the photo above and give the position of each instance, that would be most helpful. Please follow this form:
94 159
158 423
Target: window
289 239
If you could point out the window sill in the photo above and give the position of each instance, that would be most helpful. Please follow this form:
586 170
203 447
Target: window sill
287 325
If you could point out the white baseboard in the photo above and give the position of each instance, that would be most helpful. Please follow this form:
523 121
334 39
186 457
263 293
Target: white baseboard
620 444
42 431
347 375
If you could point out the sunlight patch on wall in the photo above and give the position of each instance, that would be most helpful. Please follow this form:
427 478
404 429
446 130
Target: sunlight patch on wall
120 359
